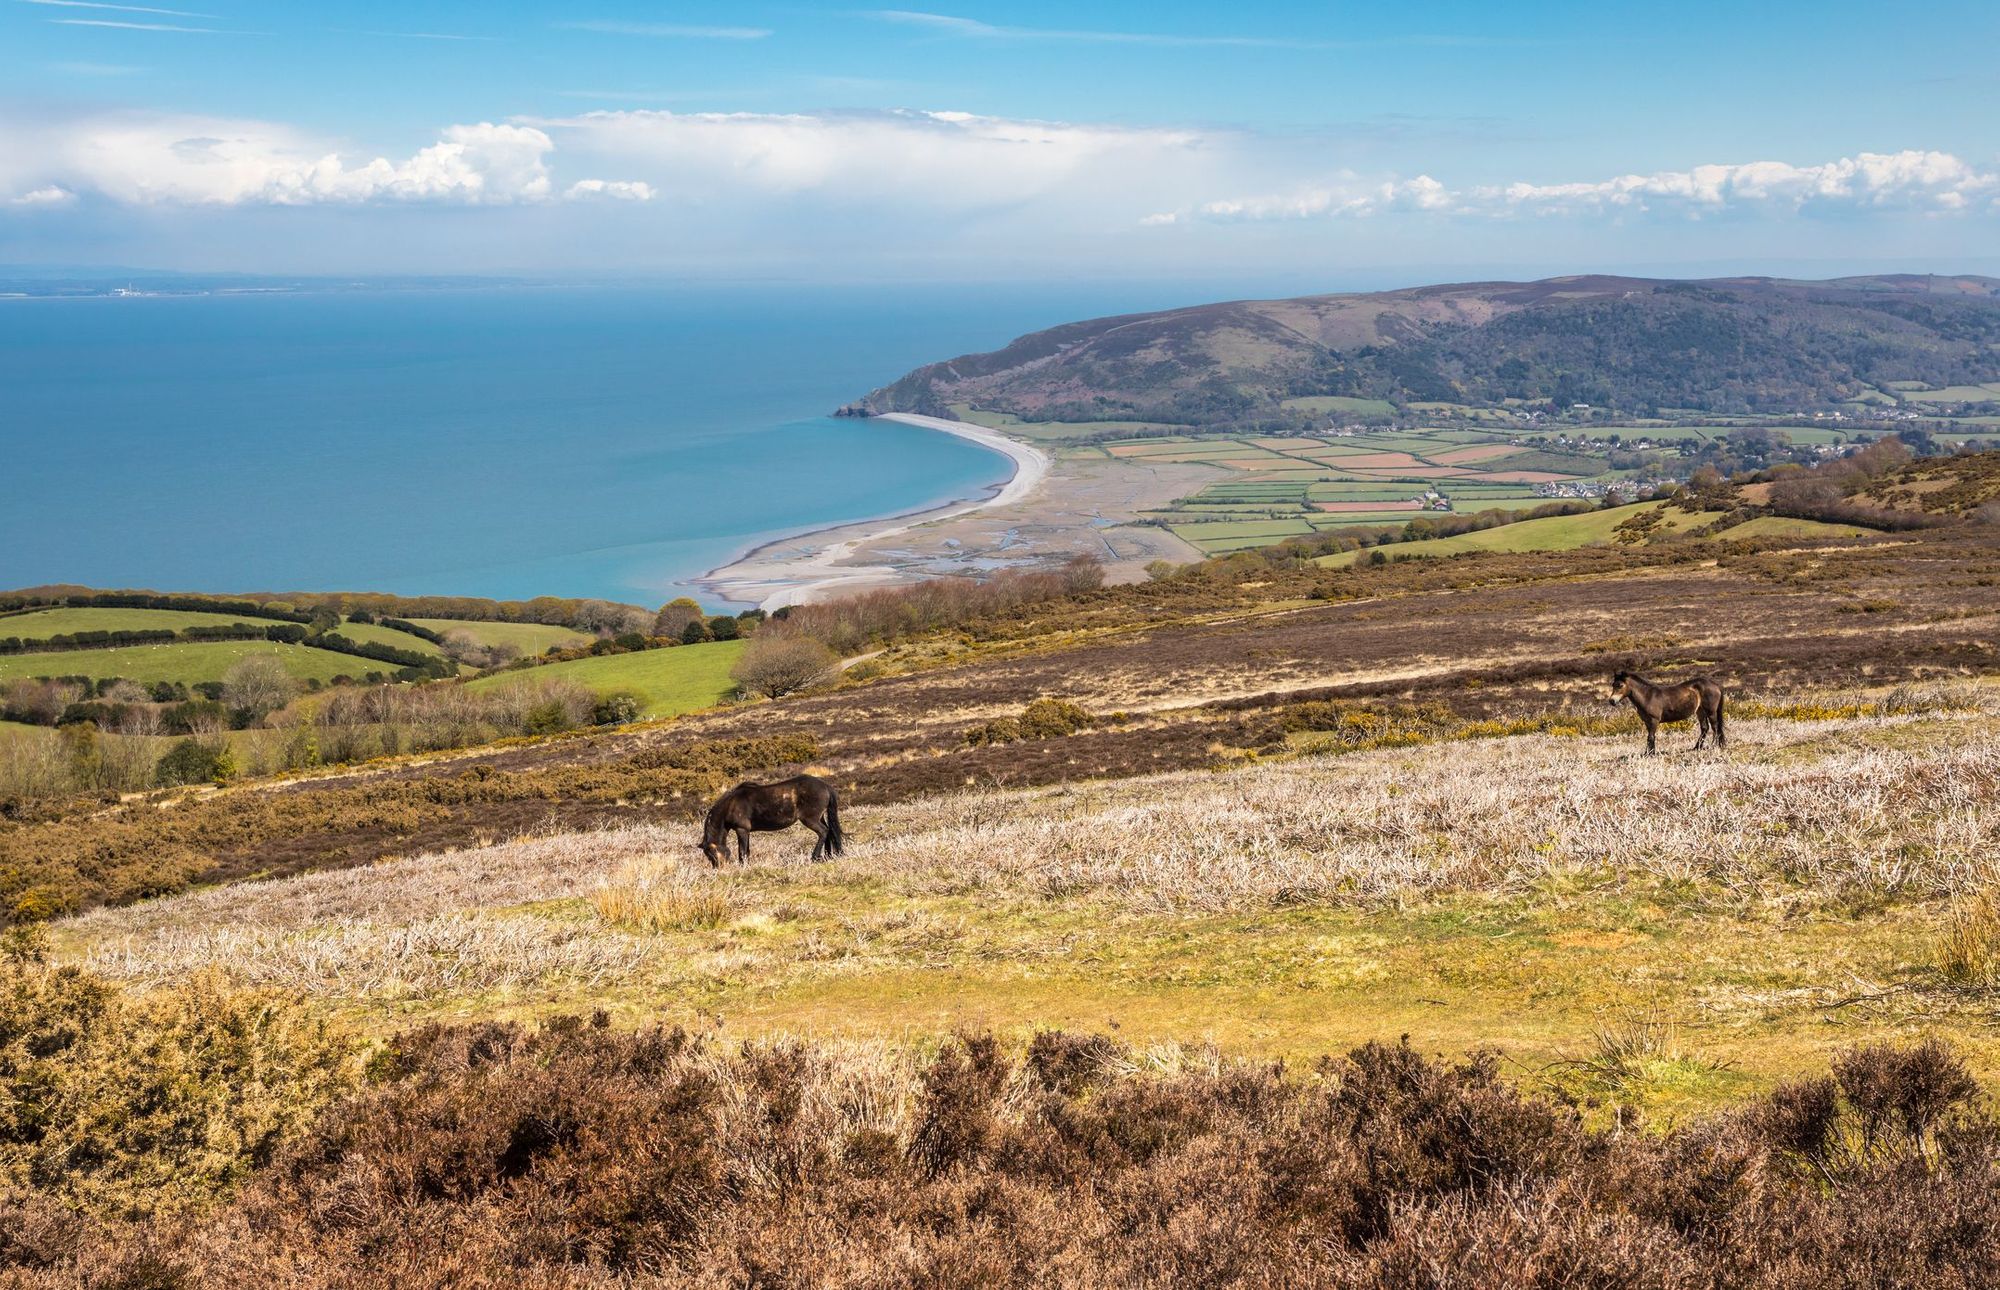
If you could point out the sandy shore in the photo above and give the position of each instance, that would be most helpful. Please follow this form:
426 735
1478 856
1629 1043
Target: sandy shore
813 565
1058 504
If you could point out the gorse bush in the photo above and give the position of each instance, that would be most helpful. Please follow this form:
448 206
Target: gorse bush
1041 719
134 1107
576 1156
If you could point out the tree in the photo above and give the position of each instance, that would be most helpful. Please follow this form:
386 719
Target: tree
695 633
675 615
257 686
723 628
775 666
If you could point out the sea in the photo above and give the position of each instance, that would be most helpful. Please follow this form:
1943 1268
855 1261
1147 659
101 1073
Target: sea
503 441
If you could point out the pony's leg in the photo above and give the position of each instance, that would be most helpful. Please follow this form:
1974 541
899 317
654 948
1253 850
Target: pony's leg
819 832
1701 741
743 846
1652 732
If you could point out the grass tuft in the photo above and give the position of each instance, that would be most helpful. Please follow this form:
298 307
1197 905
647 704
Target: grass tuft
1967 950
656 894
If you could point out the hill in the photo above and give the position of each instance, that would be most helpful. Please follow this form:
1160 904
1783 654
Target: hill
1143 884
1633 345
668 682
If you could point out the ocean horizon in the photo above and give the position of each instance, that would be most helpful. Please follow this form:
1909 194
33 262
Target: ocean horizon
507 441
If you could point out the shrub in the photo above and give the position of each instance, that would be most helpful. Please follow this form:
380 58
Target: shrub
191 761
722 627
618 708
775 666
257 686
139 1107
695 633
1042 719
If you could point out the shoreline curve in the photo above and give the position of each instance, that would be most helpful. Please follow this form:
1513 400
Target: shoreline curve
793 569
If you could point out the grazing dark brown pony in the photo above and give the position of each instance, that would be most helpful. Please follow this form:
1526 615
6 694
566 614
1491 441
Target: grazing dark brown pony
759 808
1699 697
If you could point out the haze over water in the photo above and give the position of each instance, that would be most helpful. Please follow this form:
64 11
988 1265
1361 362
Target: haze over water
504 442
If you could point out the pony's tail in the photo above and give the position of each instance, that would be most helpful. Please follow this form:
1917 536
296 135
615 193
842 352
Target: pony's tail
1721 739
835 839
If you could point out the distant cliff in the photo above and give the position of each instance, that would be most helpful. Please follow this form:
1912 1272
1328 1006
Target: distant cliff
1631 344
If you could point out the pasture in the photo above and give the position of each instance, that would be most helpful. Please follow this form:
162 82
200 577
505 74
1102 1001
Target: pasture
1555 533
669 682
529 638
1331 481
40 624
188 662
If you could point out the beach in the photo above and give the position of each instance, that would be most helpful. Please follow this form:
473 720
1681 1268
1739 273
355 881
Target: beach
1052 507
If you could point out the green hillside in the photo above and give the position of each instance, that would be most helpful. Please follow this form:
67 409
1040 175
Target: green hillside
185 661
40 624
671 681
1556 533
529 638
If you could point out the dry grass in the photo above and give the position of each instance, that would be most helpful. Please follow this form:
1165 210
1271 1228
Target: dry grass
1803 811
659 894
1968 948
1501 815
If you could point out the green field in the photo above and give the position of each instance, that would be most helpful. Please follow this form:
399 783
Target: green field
40 624
1556 533
1054 429
1987 393
529 638
1786 526
670 681
1339 403
185 661
373 634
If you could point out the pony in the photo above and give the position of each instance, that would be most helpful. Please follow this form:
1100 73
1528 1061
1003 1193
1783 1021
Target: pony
1699 697
759 808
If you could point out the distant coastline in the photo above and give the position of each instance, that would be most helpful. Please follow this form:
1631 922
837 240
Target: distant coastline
805 566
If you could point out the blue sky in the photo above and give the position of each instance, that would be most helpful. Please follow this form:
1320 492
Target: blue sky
998 140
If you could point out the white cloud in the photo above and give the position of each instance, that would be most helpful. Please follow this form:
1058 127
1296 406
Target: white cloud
208 161
49 196
629 190
951 160
1913 180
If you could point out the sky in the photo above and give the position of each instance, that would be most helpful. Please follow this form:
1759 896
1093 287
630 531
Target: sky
1364 143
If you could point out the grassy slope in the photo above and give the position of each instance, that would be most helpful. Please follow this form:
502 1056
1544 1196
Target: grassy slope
671 681
372 634
1211 907
1556 533
529 638
188 662
1786 526
40 624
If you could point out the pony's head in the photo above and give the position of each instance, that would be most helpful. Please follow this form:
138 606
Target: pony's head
714 840
1621 685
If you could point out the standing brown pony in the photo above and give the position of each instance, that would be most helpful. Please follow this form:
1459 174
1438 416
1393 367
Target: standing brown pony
759 808
1699 697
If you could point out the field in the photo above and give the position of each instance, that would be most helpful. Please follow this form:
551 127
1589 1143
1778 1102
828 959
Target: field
670 681
188 662
529 638
40 624
1291 486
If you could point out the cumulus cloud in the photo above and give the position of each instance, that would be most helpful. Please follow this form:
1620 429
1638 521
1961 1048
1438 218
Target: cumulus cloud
1911 180
144 160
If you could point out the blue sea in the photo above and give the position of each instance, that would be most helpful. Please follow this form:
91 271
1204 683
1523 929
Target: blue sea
497 441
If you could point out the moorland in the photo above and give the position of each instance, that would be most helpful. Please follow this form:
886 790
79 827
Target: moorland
1299 913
